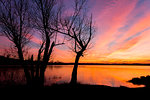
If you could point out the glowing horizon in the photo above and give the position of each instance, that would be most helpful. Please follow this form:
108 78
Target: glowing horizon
122 36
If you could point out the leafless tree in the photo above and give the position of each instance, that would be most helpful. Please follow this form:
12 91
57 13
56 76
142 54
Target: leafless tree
83 34
78 27
45 17
14 24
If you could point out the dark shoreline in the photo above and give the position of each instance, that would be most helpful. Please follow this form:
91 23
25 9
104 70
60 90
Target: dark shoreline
69 86
27 63
95 64
11 61
63 86
29 66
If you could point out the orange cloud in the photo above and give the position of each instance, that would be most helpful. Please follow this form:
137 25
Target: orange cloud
129 44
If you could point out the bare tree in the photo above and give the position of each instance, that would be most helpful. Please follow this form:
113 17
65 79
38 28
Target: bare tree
83 34
14 21
14 24
45 17
79 28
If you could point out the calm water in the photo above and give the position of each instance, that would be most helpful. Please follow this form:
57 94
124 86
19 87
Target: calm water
111 75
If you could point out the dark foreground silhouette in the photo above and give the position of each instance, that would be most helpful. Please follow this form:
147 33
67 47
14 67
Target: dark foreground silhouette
66 86
78 85
141 81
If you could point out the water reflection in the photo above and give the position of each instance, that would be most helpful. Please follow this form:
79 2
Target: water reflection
12 77
110 75
115 76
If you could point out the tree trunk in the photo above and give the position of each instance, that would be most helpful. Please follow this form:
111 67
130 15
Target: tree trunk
20 53
74 72
42 71
45 57
32 68
45 62
27 74
38 63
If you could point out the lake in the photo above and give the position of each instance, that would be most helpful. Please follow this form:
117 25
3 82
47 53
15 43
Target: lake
110 75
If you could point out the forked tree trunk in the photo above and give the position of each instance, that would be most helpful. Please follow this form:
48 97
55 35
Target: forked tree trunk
45 62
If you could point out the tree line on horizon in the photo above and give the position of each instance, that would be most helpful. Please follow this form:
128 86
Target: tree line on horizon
19 17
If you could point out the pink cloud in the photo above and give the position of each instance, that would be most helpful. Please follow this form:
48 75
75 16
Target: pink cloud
111 19
36 40
141 24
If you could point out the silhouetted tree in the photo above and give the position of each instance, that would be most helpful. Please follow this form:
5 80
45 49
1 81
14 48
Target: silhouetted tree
83 33
14 24
46 15
78 27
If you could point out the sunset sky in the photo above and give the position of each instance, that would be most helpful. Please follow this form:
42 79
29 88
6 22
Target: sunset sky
122 34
